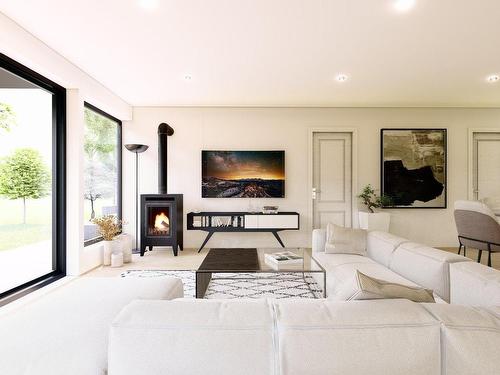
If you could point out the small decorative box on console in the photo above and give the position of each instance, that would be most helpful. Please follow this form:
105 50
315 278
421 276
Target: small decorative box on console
212 222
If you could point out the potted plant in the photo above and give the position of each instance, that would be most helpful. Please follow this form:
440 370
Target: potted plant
108 228
372 220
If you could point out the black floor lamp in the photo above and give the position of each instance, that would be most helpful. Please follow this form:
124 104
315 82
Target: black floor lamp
136 149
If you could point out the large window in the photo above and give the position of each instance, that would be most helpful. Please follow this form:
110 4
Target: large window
32 188
102 175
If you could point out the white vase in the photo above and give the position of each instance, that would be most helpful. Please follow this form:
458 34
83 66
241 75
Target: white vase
375 221
108 250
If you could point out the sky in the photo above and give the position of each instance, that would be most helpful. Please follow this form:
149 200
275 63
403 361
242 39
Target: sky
33 129
234 165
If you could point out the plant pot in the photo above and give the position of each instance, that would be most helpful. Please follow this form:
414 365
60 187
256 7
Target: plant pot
108 250
375 221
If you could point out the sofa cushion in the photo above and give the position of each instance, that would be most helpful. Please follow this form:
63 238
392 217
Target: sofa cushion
426 266
470 339
329 261
66 330
340 240
341 268
474 284
364 287
238 337
318 240
362 337
193 337
381 245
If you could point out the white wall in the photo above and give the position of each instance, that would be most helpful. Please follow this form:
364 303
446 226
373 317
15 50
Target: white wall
288 129
20 45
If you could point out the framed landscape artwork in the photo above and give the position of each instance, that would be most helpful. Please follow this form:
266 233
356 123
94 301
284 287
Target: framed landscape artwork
243 174
414 167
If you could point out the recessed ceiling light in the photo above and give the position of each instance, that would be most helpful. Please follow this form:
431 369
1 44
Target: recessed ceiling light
188 77
404 5
341 77
493 78
148 4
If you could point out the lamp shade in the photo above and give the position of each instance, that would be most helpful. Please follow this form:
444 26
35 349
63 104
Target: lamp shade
136 148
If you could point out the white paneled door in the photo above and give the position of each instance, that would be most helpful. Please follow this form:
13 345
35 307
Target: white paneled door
486 165
332 179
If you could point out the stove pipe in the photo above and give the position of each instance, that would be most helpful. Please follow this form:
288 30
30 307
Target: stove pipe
164 131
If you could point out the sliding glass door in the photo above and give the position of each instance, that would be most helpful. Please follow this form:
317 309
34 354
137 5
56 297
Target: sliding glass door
31 179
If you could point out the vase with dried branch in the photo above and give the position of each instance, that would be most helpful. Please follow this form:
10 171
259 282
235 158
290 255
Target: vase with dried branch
108 227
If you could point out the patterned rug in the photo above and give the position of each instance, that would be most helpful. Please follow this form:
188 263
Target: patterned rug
242 285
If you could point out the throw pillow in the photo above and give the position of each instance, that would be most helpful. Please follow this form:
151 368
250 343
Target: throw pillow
366 287
340 240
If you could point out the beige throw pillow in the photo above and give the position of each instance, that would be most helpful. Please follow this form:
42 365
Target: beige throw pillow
340 240
366 287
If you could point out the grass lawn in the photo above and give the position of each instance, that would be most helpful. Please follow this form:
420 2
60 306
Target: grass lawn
38 220
38 227
38 211
17 235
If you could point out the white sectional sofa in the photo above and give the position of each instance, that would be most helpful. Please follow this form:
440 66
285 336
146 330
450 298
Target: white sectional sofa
313 337
65 332
327 336
474 284
452 277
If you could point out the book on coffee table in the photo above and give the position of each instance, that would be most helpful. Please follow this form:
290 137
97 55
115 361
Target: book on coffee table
284 258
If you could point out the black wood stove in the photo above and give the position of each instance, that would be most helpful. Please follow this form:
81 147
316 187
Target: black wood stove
162 214
161 218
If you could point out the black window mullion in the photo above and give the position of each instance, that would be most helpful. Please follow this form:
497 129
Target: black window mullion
58 178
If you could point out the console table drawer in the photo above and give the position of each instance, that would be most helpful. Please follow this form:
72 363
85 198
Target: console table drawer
271 221
252 221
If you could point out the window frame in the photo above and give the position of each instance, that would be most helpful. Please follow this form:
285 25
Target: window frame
118 167
58 170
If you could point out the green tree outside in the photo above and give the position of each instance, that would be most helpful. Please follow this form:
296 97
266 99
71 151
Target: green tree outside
23 175
99 147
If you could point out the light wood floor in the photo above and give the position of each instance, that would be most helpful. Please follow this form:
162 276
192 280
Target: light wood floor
189 259
158 259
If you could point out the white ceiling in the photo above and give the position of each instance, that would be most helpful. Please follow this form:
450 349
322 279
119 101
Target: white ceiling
277 52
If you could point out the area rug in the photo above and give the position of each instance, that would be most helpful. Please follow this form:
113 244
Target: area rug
242 285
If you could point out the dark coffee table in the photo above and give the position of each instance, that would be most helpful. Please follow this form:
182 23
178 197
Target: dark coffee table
244 260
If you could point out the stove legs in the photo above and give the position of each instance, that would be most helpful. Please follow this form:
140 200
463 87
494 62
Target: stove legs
175 248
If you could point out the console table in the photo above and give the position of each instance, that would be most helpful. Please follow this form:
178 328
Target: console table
213 222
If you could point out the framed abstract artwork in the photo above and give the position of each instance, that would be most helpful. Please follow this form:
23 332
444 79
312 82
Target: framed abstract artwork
413 167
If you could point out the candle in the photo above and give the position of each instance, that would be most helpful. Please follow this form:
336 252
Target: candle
117 260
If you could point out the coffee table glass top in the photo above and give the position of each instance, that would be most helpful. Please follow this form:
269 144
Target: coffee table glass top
254 260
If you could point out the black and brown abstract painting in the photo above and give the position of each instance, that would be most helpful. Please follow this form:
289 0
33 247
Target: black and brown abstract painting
414 167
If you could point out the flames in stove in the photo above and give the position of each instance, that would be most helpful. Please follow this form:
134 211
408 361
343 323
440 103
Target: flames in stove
161 224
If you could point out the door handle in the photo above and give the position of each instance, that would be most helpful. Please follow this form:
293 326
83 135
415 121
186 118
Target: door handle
315 192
